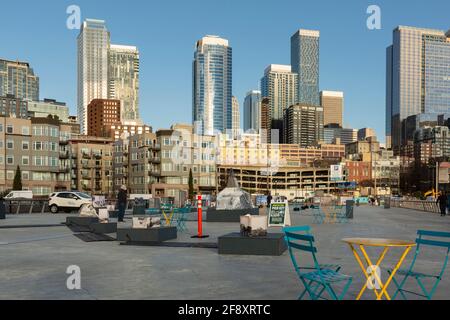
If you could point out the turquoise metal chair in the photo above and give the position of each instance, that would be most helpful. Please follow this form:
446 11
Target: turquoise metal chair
341 214
317 279
181 216
420 277
318 215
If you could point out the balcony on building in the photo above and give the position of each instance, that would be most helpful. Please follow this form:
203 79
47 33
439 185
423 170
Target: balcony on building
86 155
154 147
86 166
156 173
64 155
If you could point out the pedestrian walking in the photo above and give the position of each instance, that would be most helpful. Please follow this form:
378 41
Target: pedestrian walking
122 198
442 200
269 200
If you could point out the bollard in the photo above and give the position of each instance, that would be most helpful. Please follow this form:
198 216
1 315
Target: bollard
200 219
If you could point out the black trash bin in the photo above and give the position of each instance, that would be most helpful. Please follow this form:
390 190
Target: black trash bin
387 202
2 210
349 208
139 207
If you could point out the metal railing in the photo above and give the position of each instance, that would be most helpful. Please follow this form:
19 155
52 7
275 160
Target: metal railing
26 206
41 206
419 205
34 206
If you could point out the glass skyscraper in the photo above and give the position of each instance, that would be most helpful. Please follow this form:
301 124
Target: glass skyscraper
279 84
236 115
305 63
417 78
212 86
93 46
123 80
252 111
18 79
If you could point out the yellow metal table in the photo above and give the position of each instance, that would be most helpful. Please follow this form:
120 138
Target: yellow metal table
371 270
168 217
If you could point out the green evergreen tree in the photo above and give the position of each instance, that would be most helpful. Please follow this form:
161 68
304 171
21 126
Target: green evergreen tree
191 185
17 184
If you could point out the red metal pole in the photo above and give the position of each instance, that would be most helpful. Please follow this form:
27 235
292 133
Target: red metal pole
200 216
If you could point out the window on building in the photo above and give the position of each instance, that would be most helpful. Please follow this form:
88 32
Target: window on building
25 160
38 145
53 162
25 175
25 145
10 160
167 141
9 128
10 144
40 161
9 175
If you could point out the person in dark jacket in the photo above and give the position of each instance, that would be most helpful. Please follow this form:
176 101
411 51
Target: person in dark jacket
442 200
122 198
269 200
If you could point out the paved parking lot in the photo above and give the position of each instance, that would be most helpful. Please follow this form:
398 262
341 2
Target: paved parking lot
33 260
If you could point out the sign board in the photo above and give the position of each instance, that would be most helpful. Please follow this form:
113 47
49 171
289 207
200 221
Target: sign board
279 215
444 177
336 173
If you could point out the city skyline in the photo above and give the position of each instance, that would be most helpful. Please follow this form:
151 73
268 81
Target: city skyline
368 94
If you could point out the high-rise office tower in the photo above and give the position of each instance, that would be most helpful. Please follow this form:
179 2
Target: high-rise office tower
236 116
366 133
417 78
266 121
252 111
303 125
123 80
348 135
212 86
102 114
305 62
93 47
333 106
18 79
279 84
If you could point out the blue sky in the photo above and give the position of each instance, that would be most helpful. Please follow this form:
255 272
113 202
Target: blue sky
352 57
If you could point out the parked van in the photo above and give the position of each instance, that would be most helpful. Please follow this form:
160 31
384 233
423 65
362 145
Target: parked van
25 194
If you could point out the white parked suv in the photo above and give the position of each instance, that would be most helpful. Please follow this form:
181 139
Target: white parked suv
68 200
